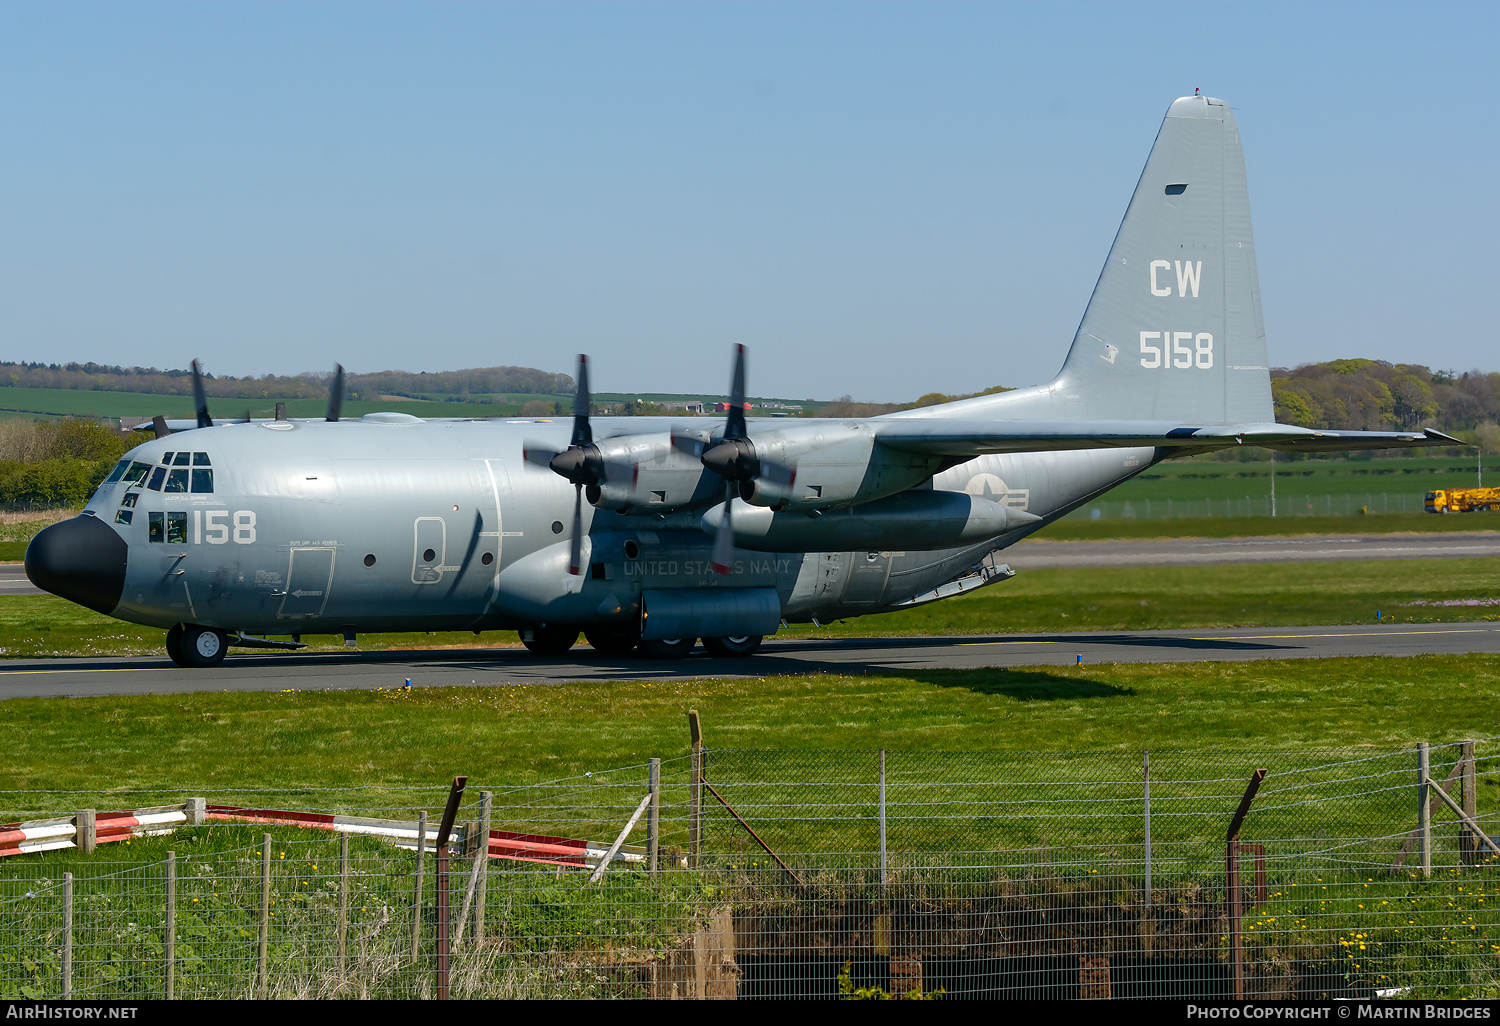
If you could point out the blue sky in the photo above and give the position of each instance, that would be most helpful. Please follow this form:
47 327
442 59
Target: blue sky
881 199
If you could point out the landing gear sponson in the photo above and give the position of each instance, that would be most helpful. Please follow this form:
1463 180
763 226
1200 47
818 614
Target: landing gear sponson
554 640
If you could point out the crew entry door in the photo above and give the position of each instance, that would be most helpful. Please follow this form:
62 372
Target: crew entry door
431 534
309 576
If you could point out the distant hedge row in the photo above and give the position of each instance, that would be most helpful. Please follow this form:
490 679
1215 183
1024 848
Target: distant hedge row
53 483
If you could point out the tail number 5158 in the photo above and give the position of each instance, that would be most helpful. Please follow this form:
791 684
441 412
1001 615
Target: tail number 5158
1181 349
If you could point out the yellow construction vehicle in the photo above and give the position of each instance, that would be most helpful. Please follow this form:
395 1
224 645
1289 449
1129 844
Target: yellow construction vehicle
1462 500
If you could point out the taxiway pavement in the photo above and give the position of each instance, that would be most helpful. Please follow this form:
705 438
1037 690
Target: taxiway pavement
850 656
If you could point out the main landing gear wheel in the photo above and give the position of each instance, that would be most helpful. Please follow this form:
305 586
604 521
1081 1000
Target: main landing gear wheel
550 641
174 645
733 648
202 647
667 648
611 640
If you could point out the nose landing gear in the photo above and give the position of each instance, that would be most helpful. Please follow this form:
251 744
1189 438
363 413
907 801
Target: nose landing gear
196 647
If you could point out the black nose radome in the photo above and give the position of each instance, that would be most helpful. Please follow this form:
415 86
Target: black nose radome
82 559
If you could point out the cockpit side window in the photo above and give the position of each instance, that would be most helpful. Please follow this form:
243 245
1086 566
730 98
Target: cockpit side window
181 460
118 472
155 529
203 480
177 481
200 459
166 457
137 473
157 477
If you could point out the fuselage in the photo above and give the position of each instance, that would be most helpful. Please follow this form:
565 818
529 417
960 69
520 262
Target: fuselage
397 524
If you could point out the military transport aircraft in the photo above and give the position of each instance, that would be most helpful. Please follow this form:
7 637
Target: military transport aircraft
656 532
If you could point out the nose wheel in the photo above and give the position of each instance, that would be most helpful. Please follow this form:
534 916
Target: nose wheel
196 647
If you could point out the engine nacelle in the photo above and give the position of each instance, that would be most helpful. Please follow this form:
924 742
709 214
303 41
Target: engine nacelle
911 520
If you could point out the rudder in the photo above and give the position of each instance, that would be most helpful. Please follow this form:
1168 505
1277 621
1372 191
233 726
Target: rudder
1173 330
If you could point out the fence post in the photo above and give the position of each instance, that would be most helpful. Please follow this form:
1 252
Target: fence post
486 809
445 832
884 876
1468 843
169 938
262 975
196 811
695 790
343 907
416 901
67 953
1232 883
85 835
1424 810
1146 924
653 816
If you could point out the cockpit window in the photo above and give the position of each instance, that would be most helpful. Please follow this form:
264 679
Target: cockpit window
118 472
181 460
137 473
155 530
122 516
129 501
177 481
203 480
177 528
157 477
166 457
200 459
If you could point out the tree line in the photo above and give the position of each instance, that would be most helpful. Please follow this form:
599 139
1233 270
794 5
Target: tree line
459 384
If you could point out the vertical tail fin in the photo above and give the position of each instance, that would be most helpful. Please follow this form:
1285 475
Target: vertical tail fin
1173 330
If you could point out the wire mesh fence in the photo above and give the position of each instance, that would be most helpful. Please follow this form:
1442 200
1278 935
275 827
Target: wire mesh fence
1288 503
810 874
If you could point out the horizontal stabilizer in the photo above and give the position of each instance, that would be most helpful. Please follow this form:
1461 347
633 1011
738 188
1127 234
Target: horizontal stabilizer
978 438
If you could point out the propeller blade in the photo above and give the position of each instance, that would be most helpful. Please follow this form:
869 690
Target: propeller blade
538 454
692 444
582 433
723 557
734 427
336 392
247 415
159 426
575 552
200 401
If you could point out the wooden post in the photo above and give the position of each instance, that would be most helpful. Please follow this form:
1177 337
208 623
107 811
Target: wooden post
1424 810
445 833
486 811
416 901
653 817
196 811
84 834
67 952
1147 932
262 975
169 935
695 791
1468 843
343 907
884 876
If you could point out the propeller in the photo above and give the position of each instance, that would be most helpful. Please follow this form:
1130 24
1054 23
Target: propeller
336 392
581 464
733 457
200 401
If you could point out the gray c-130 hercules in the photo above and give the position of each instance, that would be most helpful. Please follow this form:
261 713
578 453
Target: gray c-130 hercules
655 532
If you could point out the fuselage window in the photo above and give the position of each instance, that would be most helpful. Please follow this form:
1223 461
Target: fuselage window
203 480
138 472
177 528
123 516
157 477
129 501
118 472
166 457
200 459
181 460
177 481
154 530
